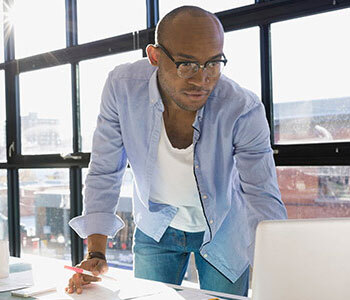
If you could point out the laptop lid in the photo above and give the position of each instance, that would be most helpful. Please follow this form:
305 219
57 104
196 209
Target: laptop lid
302 260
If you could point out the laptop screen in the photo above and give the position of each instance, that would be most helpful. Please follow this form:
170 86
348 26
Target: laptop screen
302 260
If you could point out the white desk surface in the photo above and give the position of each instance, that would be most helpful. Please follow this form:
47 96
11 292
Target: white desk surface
50 271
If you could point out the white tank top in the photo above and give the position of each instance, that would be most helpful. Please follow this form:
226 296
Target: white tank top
173 183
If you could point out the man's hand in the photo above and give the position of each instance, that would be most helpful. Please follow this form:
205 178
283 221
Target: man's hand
96 265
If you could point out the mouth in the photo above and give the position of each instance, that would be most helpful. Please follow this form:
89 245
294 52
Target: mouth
196 95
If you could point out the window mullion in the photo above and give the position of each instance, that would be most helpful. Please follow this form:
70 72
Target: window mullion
266 75
75 172
13 135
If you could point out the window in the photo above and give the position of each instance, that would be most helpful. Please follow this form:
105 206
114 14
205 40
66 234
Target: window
118 250
107 18
311 67
39 26
311 103
2 118
93 75
3 205
45 212
212 6
46 118
315 192
241 48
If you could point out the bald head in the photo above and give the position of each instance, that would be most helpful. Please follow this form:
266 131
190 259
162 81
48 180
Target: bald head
187 35
175 22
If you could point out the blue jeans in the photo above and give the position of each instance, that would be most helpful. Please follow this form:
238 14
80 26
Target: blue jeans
167 261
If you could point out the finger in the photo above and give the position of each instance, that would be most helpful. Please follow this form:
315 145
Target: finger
95 279
77 279
70 288
88 278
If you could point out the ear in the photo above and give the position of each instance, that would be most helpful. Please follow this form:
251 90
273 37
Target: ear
152 54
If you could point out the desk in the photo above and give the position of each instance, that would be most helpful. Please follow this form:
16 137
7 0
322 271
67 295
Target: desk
51 271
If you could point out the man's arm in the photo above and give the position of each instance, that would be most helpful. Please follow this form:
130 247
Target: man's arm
256 167
97 265
106 170
102 188
97 243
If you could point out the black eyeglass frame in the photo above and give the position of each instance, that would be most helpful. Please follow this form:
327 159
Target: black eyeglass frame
178 63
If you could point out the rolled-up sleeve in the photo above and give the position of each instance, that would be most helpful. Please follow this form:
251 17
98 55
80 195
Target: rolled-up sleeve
106 169
256 168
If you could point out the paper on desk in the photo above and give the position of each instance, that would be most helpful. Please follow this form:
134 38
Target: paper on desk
16 281
124 289
90 292
195 295
169 294
178 295
136 287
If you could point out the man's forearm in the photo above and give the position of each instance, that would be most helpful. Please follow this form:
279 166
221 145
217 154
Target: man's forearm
97 243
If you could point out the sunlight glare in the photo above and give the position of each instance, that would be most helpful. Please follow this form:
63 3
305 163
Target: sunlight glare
9 19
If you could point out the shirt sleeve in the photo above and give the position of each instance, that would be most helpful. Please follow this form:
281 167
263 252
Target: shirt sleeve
106 169
256 168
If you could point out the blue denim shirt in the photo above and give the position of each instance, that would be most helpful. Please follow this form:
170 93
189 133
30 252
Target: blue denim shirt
233 165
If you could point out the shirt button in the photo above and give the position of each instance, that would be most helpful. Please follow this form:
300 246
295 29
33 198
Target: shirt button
197 166
211 222
205 196
205 255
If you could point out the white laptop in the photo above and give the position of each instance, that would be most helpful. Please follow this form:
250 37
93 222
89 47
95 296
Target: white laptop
302 260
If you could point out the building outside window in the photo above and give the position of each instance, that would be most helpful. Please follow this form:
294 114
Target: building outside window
45 212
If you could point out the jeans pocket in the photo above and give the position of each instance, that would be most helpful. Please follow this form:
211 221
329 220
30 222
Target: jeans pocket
142 238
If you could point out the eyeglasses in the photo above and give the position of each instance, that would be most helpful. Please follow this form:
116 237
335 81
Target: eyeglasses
187 69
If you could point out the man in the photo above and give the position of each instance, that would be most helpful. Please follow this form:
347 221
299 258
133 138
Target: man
198 145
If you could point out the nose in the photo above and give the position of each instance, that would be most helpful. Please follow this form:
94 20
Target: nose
200 78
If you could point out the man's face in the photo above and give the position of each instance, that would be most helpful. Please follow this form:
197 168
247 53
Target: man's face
192 39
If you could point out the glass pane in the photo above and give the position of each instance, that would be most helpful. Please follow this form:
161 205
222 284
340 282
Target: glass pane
2 118
315 192
109 18
311 71
166 6
93 75
46 117
242 51
119 248
45 212
39 26
3 205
